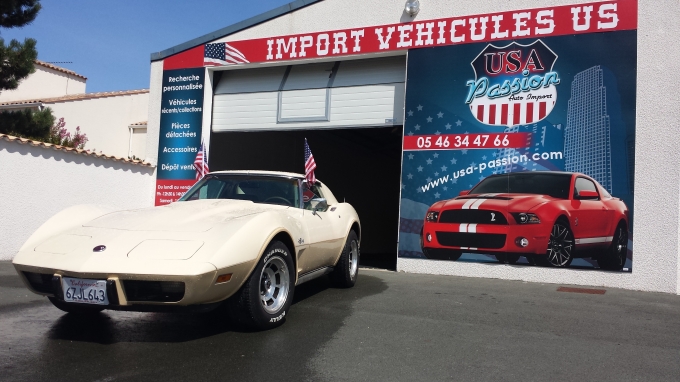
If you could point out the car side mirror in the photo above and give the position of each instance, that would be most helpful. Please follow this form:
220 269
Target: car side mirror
588 194
319 204
463 193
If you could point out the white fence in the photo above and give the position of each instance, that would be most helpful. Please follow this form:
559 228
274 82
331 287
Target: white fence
36 182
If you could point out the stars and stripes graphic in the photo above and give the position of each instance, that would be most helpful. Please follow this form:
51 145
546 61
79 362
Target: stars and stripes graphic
221 53
511 114
310 165
201 162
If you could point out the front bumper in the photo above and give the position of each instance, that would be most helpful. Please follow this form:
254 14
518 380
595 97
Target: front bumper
142 288
486 238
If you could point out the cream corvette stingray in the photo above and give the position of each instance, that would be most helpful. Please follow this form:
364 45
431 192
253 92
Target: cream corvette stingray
240 240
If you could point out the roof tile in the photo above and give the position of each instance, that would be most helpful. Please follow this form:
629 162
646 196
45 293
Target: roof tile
24 141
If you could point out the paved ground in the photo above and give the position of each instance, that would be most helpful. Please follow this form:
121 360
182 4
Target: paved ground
391 326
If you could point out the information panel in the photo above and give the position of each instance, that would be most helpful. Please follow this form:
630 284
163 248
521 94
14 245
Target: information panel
180 132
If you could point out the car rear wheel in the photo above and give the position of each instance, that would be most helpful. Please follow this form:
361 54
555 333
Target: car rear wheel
347 269
615 257
561 246
264 299
81 309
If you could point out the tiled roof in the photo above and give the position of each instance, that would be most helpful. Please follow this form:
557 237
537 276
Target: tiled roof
24 141
59 69
74 97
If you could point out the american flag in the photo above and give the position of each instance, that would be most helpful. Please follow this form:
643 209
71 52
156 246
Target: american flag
222 53
201 162
310 165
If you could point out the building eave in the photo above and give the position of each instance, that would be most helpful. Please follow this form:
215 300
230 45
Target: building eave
231 29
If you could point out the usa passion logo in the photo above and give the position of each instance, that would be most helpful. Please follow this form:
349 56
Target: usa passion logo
513 85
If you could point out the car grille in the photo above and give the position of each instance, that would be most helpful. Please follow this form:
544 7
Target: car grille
473 217
471 240
40 282
156 291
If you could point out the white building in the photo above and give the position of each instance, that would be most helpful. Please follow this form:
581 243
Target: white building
335 72
114 122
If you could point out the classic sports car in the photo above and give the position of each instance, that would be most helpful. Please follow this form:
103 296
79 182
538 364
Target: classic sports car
548 217
240 240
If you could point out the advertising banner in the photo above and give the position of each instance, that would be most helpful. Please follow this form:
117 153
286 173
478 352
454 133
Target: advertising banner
529 23
521 151
180 132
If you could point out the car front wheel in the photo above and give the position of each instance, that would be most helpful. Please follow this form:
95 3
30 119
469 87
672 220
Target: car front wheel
561 246
347 269
264 299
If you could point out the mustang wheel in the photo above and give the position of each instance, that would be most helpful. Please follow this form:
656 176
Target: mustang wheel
263 301
561 245
347 269
615 257
75 307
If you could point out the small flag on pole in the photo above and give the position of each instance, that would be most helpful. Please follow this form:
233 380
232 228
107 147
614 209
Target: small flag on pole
310 165
201 162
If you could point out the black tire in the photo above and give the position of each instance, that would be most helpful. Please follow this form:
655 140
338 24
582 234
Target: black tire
505 258
560 251
346 271
614 259
264 299
80 309
512 259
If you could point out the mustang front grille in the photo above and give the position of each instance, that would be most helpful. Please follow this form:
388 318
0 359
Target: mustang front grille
473 217
156 291
41 282
471 240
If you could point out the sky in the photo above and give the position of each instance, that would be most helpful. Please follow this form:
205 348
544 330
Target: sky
110 42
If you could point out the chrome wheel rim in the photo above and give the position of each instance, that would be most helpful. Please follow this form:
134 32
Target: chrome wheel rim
353 259
274 284
621 245
561 245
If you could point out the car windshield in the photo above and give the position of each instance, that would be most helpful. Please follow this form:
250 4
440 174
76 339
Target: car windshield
258 189
555 185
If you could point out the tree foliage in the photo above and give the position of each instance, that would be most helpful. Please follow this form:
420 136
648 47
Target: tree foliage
16 59
27 123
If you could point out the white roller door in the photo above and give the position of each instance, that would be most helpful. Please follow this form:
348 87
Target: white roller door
357 93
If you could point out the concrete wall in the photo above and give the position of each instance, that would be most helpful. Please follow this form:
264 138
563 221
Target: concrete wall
105 120
657 200
38 182
45 83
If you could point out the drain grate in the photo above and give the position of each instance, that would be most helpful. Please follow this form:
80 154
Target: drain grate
581 290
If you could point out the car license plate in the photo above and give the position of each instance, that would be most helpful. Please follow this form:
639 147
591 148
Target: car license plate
84 291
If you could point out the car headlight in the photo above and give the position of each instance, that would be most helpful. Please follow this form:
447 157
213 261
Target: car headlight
432 216
526 218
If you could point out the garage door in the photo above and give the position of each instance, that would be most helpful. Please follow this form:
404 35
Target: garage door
356 93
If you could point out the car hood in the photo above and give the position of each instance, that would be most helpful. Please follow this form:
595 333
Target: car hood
190 216
503 202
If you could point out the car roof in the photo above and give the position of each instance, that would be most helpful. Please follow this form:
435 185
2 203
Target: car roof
261 172
536 172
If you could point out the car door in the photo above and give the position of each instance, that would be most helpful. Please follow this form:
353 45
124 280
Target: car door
320 233
588 221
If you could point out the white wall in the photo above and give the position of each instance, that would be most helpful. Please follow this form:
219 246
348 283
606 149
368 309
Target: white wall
45 83
657 179
38 182
105 120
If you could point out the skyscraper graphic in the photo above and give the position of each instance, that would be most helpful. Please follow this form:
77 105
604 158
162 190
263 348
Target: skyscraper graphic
587 139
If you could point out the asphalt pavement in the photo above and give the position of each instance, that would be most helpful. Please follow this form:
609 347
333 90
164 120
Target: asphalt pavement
390 327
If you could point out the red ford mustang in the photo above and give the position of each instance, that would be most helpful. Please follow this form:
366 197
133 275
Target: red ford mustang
548 217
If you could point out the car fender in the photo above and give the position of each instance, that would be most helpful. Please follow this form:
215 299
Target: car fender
350 217
63 221
247 245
